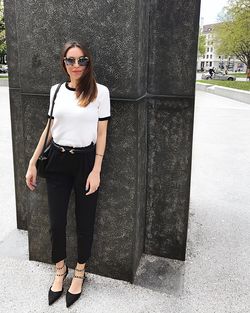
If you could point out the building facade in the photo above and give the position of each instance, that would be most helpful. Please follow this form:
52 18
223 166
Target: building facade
212 59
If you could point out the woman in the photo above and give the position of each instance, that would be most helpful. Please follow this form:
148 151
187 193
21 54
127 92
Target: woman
78 132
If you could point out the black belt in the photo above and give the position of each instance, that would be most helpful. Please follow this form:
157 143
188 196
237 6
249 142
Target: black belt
72 150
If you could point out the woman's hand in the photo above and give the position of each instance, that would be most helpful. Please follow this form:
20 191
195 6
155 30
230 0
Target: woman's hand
31 177
93 181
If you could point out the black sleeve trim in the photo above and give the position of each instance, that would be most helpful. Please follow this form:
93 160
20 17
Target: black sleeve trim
51 117
104 118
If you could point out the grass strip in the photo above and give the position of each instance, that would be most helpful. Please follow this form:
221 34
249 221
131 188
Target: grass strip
226 83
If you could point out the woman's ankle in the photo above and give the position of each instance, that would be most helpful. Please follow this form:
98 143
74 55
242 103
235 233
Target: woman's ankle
60 265
80 266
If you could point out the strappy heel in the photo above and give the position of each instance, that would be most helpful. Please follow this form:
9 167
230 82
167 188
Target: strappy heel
54 295
72 297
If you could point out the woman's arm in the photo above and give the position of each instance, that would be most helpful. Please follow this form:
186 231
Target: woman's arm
40 144
100 144
93 180
32 172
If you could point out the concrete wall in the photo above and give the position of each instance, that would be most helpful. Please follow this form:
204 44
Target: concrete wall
145 180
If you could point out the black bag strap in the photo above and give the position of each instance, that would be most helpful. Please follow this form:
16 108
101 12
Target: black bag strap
50 116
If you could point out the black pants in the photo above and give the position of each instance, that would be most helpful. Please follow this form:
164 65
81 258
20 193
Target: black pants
67 170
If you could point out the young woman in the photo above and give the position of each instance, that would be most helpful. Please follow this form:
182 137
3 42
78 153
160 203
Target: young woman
78 132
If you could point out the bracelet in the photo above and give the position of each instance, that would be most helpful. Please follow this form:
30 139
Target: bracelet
99 154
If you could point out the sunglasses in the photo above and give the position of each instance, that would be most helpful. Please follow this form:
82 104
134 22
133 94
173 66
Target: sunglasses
82 61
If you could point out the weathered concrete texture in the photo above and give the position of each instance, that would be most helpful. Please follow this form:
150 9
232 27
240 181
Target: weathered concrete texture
118 241
12 43
113 31
170 126
18 141
16 112
171 73
173 46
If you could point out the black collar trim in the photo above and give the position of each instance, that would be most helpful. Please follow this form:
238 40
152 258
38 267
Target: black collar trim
70 88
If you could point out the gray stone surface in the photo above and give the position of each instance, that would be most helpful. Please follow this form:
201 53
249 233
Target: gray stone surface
214 277
173 47
13 43
173 35
170 130
20 159
115 33
122 198
135 46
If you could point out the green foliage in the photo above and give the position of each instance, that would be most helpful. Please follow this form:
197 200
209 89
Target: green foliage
232 35
3 49
201 44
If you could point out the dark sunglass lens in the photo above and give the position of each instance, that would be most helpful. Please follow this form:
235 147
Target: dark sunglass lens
70 61
83 61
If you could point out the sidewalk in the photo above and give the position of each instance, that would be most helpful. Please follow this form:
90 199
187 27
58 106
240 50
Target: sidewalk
4 82
215 276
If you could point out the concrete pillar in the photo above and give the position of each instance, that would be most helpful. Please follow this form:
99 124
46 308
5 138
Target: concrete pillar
173 35
142 55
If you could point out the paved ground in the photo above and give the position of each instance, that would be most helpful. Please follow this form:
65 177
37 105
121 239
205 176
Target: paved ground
214 278
4 82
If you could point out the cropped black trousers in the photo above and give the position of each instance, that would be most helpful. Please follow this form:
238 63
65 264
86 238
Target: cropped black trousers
68 169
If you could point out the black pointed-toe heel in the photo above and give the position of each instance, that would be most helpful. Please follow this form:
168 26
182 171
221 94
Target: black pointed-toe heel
54 295
72 297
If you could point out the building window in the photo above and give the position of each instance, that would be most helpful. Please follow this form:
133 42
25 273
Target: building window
203 56
219 56
210 63
207 56
206 63
207 49
211 50
211 56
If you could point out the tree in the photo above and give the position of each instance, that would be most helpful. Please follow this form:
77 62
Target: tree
232 36
3 49
201 44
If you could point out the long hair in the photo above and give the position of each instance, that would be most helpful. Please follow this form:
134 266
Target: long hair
86 89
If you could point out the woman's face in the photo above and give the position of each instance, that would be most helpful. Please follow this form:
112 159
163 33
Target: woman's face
75 71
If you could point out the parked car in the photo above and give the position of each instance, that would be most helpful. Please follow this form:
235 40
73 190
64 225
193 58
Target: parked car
3 68
218 75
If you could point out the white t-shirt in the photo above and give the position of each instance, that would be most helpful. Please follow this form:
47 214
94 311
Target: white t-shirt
74 125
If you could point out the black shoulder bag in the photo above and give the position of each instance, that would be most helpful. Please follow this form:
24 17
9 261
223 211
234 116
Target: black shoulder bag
43 158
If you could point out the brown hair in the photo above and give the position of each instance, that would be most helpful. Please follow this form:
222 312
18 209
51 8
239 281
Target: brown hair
86 89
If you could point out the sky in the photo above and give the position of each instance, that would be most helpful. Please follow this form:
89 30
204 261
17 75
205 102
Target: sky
210 10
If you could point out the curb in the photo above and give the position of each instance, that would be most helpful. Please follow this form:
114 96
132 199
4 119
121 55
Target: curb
235 94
